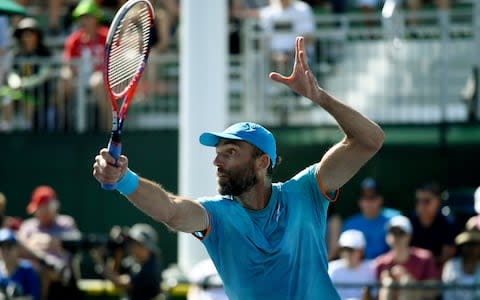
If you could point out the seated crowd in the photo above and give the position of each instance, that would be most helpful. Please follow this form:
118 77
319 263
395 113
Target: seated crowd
53 54
45 257
407 257
378 253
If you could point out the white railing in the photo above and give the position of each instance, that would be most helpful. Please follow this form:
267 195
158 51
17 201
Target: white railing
393 72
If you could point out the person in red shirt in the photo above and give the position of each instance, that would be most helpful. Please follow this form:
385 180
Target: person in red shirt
86 44
404 264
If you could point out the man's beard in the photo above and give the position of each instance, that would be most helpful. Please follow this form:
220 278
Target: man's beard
237 182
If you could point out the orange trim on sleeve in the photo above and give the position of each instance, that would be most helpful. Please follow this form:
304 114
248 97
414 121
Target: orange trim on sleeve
204 233
322 189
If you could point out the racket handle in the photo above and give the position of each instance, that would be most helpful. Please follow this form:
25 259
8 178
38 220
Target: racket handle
115 150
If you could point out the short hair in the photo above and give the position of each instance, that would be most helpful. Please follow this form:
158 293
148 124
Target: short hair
430 186
257 153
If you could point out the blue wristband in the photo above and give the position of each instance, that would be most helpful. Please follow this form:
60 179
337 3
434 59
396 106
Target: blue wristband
128 183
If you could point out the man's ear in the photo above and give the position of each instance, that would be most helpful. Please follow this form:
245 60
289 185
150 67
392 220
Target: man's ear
263 161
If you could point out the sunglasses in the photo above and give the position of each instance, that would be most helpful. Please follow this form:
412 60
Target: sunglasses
424 200
397 231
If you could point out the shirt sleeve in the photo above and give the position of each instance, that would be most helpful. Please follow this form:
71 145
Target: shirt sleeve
69 48
4 38
311 183
209 235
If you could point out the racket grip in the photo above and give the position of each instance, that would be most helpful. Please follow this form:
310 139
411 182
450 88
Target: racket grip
115 150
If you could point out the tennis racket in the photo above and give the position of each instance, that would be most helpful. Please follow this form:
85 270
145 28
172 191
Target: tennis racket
127 47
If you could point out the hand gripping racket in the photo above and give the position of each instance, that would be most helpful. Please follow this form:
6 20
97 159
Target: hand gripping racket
126 53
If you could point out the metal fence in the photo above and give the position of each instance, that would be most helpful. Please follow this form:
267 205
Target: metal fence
410 291
392 71
384 66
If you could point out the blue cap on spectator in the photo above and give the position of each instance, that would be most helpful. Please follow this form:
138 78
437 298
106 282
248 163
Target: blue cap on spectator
249 132
6 235
369 183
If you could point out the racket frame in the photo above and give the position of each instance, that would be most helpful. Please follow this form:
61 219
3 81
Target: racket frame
119 116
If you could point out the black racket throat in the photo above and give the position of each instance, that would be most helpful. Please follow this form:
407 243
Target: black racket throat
115 137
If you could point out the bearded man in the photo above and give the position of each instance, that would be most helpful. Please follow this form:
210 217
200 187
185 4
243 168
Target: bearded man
267 240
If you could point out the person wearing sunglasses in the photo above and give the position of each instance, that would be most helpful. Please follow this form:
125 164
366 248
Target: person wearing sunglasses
404 264
432 230
351 268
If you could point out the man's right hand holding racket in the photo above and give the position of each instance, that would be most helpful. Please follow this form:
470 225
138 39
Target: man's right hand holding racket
109 170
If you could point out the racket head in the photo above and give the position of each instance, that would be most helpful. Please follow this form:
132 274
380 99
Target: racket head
127 48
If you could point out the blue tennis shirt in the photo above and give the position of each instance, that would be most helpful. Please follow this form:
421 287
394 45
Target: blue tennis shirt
275 253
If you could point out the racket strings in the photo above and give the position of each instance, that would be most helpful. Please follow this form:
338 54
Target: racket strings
129 47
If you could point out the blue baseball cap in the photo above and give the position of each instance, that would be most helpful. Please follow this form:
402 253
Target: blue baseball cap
249 132
7 235
369 183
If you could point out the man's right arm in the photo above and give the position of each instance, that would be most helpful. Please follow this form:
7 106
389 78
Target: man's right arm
177 212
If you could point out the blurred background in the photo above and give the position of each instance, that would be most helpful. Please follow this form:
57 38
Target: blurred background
411 65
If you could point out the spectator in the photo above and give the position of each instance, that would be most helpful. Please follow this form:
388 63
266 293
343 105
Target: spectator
465 269
432 230
283 20
415 6
235 22
86 43
12 223
44 205
15 273
172 10
474 222
206 284
4 66
142 282
404 264
163 25
54 10
371 220
29 78
351 268
42 236
4 43
369 6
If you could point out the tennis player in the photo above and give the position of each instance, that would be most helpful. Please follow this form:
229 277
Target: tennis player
266 240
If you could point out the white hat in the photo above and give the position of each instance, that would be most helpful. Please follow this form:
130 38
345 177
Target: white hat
476 196
352 239
401 222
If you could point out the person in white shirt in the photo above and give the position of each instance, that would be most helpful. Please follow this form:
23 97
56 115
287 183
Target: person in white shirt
464 269
205 282
282 21
351 268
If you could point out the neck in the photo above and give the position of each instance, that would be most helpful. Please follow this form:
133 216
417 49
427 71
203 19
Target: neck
401 254
426 220
469 264
372 216
89 33
353 264
257 197
143 258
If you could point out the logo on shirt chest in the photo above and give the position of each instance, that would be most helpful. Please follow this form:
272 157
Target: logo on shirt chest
278 212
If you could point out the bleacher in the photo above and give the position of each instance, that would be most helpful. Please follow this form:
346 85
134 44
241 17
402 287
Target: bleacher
390 71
